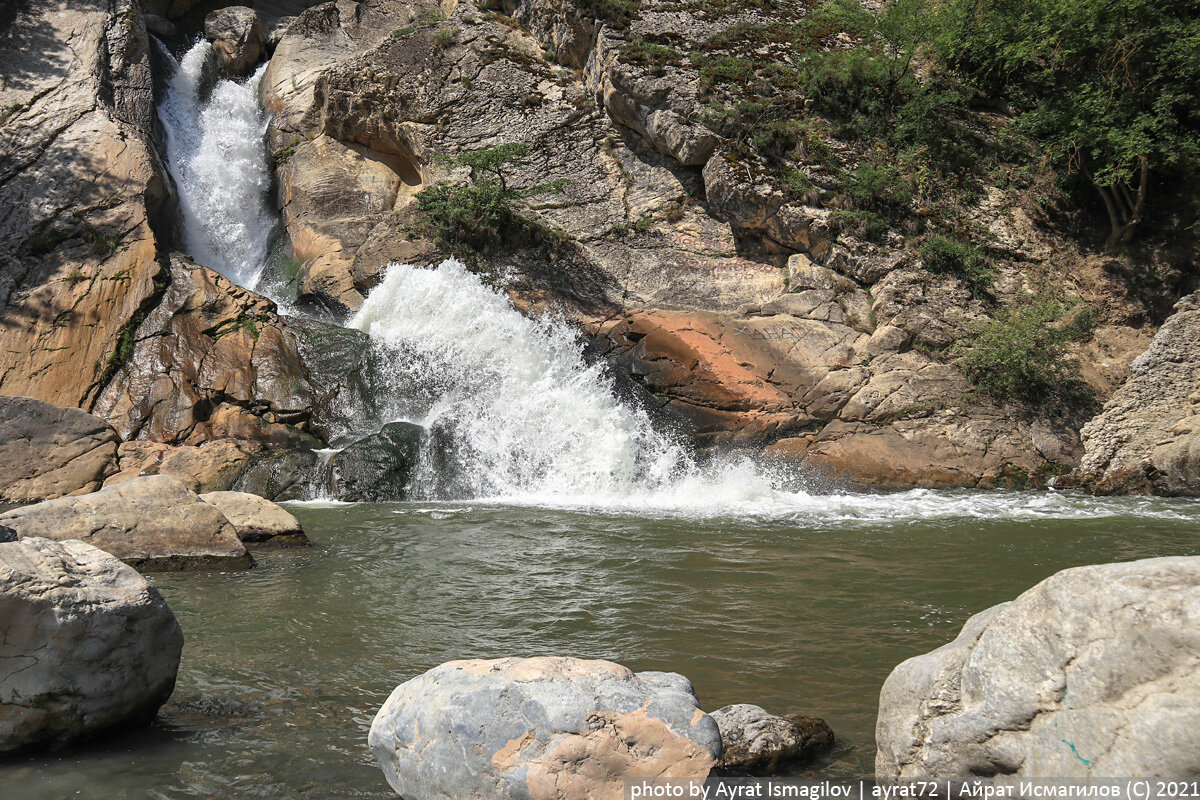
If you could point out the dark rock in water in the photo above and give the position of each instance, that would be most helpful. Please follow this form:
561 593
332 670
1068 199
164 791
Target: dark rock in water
759 742
379 467
281 475
50 452
343 372
7 534
88 644
159 26
237 38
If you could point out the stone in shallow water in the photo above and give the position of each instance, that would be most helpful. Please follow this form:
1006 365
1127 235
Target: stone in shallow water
86 644
1094 672
152 523
540 728
379 467
256 519
760 742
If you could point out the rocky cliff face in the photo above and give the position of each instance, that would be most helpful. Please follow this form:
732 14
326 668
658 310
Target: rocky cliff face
748 314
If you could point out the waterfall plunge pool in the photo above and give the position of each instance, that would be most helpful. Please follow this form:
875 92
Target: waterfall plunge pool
285 665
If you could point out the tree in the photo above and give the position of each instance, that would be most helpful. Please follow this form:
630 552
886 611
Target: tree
1110 87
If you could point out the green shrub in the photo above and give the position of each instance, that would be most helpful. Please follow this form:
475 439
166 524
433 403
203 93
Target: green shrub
1020 356
863 224
482 216
618 13
946 256
444 37
878 188
641 50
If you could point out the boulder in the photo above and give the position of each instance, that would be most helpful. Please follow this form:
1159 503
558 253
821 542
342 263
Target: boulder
50 452
257 520
540 727
237 38
379 467
1091 673
86 644
7 534
210 467
759 742
151 523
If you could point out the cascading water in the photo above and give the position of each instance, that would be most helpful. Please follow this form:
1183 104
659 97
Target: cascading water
216 154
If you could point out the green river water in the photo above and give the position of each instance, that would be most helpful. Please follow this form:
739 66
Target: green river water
799 611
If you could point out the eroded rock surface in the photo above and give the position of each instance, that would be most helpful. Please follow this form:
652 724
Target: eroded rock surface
758 742
151 523
378 468
540 728
1091 673
237 38
1147 438
86 644
50 452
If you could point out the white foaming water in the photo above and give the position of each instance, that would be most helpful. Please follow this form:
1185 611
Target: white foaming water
525 420
216 155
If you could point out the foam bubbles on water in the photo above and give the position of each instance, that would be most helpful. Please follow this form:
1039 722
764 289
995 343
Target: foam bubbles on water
216 154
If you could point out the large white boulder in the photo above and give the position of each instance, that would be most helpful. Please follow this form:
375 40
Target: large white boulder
559 728
1094 672
256 519
86 644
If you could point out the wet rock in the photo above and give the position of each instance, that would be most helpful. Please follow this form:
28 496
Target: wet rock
759 742
379 467
540 727
257 520
237 39
1147 437
50 452
286 475
160 27
345 375
86 643
152 523
1091 673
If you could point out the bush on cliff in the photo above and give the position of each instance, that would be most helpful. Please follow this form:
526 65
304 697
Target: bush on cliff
483 215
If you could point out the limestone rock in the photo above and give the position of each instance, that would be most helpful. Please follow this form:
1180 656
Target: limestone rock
257 520
80 185
540 727
86 644
50 452
1091 673
379 467
209 467
759 742
151 523
1147 437
237 38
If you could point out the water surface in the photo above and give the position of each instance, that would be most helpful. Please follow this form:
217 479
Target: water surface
285 665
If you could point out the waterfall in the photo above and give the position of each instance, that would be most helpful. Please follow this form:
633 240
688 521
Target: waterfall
519 414
217 156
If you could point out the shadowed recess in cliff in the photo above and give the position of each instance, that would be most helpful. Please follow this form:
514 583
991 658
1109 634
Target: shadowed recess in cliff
217 156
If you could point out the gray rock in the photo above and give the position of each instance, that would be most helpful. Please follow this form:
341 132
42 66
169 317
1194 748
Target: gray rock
7 534
539 727
759 742
257 520
379 467
287 475
1091 673
50 452
152 523
86 644
237 38
1147 438
159 26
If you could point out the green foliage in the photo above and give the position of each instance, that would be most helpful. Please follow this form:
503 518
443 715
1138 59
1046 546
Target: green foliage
400 33
947 256
1111 88
482 216
642 50
863 224
879 188
1021 356
618 13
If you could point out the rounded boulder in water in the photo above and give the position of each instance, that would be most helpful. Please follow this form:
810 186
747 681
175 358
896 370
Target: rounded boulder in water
86 644
237 38
540 727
